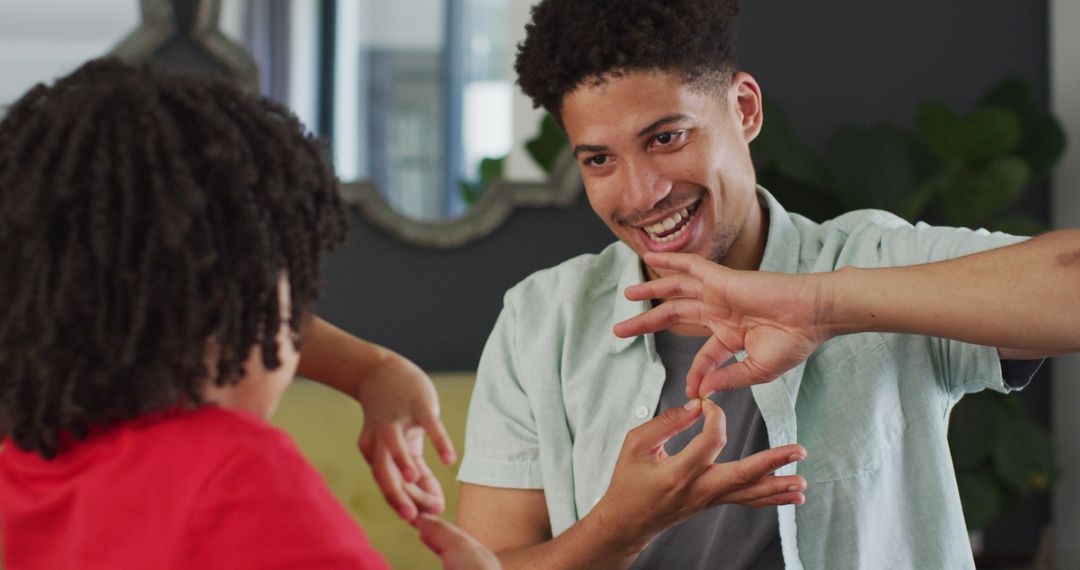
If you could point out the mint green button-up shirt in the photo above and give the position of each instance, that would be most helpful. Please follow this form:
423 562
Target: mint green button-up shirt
557 392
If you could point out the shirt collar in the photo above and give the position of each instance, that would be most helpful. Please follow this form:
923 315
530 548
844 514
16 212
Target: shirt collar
782 245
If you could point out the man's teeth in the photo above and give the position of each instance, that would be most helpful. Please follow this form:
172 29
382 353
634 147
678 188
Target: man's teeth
667 225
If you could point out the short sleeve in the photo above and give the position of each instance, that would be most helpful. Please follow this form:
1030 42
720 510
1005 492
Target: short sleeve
501 444
267 508
964 367
878 239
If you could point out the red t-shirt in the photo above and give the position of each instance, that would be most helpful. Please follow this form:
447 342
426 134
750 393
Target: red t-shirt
209 488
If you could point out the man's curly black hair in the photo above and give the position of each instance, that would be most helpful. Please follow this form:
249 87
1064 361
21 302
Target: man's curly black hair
570 42
143 213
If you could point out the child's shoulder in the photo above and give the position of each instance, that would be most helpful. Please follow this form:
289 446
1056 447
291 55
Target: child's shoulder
212 427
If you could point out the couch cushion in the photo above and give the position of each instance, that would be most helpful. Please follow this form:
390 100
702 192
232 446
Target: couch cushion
326 426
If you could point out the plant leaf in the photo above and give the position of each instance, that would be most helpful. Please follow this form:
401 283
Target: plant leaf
1044 139
1024 454
1043 145
970 197
878 167
980 497
469 191
974 427
983 136
780 147
491 169
1019 226
938 125
544 148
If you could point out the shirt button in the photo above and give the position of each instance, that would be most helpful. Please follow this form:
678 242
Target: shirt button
641 412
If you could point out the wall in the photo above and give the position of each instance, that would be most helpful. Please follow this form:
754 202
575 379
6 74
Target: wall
1065 100
37 46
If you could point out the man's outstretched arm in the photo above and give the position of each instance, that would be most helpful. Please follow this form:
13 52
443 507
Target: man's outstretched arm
649 492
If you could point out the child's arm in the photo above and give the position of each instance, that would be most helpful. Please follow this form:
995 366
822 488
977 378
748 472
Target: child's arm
400 405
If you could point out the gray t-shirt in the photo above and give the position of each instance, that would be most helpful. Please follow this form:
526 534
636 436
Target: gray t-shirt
728 536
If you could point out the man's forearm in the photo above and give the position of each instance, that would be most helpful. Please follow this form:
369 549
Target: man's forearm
591 543
1024 297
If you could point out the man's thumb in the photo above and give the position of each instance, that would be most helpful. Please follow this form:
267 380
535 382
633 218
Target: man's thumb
655 432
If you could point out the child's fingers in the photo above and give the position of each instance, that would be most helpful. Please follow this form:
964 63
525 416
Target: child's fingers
390 482
427 494
437 432
367 446
394 439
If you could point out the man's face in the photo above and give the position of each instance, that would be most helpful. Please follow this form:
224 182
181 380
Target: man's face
667 166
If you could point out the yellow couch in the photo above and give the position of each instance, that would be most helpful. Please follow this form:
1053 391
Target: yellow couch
326 426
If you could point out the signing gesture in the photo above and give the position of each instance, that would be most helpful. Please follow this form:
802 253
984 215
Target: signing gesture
774 317
400 407
652 491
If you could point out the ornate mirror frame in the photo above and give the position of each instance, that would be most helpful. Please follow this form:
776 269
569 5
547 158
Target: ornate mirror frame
163 30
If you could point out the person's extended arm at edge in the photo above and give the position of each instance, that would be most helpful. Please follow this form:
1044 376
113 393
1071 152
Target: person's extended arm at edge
1022 299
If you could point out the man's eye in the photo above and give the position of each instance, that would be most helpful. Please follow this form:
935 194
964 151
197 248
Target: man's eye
597 160
663 139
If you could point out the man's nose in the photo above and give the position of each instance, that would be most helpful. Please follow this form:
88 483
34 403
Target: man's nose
646 185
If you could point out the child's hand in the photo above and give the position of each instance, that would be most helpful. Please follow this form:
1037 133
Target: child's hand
400 405
456 550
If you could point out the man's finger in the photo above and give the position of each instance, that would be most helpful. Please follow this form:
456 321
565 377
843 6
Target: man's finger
732 377
725 478
679 285
776 500
666 315
439 438
712 355
650 437
390 482
765 491
706 446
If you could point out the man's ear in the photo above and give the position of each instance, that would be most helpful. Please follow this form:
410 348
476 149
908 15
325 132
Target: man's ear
746 102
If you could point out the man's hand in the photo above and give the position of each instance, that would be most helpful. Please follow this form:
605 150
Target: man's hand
775 317
651 491
400 406
456 549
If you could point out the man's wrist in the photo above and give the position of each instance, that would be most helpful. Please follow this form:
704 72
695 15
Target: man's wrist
839 312
615 540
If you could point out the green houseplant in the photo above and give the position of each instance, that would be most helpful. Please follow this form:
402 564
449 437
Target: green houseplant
952 170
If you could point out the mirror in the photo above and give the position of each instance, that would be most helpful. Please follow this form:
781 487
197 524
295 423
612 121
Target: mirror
429 134
432 140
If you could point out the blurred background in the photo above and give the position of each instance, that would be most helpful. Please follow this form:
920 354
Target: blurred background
417 100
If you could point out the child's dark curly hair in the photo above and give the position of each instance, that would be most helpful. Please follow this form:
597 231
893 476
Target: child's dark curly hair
569 42
143 213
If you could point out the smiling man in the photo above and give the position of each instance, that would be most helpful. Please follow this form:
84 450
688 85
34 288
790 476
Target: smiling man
579 451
